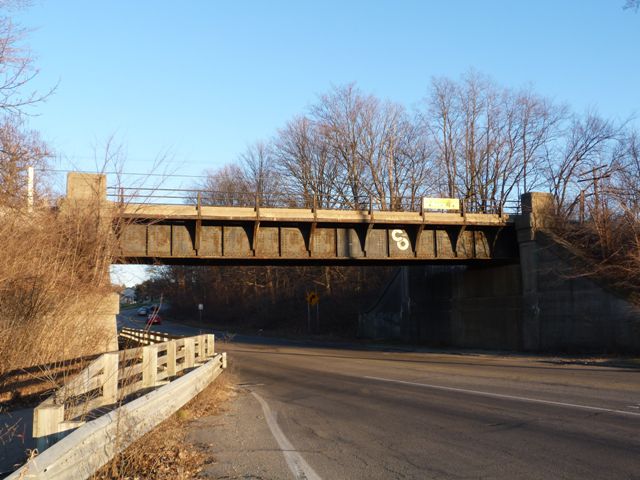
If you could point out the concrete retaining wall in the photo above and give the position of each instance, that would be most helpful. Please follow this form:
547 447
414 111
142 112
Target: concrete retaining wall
567 312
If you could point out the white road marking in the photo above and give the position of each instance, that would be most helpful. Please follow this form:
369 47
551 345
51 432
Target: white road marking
299 467
509 397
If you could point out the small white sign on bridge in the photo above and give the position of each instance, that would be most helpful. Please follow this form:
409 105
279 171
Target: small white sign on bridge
440 204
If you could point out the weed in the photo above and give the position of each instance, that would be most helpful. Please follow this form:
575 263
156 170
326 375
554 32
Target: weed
165 453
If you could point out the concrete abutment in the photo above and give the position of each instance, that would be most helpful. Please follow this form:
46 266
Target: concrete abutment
87 198
538 304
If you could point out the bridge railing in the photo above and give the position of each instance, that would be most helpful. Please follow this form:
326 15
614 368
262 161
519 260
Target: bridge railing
145 337
115 376
203 197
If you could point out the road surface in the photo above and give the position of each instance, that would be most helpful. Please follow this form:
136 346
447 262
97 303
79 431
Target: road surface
305 411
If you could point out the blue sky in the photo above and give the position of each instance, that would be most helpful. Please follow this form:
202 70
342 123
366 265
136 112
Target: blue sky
203 79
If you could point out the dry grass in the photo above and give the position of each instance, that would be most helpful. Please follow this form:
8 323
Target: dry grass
54 281
53 277
165 453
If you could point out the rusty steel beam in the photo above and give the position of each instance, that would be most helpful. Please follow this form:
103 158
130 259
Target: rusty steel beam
239 235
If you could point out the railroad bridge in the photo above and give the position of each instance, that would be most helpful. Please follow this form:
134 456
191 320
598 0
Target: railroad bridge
195 233
212 235
516 289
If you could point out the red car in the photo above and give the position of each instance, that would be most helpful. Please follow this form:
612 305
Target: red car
154 318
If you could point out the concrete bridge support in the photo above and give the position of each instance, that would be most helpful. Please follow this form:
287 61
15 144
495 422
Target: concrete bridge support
106 310
562 309
538 304
537 209
87 198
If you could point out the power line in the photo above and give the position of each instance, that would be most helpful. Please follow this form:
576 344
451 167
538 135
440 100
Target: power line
146 160
53 170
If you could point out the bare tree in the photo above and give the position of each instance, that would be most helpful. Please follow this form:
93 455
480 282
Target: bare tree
252 179
304 164
586 142
517 126
608 234
342 117
226 186
352 149
442 120
17 67
418 167
259 174
399 165
19 149
537 124
488 139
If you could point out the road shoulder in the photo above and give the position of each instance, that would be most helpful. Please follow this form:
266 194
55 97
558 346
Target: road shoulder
240 442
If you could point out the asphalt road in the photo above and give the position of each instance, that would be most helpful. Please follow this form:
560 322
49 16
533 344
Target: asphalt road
305 411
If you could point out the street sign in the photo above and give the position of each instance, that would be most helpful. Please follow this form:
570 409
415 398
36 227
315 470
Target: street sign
312 298
440 204
200 307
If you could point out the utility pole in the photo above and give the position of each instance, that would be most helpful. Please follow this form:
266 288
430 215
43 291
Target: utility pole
30 180
596 201
594 181
600 222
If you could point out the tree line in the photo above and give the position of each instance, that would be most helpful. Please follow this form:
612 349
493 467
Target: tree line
469 138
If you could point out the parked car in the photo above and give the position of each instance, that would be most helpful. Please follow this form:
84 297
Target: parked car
143 311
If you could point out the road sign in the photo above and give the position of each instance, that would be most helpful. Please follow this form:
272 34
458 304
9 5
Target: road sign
200 307
312 298
440 204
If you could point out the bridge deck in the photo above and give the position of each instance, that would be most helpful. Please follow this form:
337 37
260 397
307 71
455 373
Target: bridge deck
251 214
187 234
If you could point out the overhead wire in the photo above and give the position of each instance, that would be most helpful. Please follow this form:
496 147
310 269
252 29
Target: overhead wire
163 161
55 170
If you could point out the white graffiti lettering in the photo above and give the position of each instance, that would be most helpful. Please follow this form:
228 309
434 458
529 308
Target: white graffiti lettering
400 237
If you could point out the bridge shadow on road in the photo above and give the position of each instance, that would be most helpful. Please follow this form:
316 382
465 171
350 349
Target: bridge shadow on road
435 357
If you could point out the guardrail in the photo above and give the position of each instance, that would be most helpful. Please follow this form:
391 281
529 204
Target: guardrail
203 197
145 337
81 453
114 376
